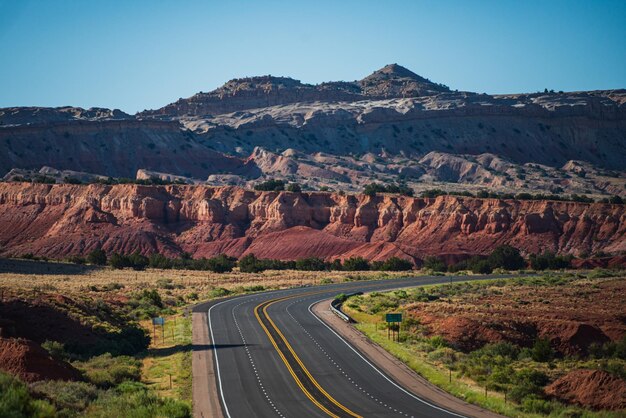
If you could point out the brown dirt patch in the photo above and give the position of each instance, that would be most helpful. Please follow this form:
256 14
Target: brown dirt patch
30 362
594 389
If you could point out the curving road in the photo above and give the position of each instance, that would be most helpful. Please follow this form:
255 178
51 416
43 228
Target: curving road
273 357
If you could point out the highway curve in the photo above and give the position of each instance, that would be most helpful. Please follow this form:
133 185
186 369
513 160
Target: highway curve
274 358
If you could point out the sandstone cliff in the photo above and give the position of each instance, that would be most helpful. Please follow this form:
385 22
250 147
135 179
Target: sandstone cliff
58 220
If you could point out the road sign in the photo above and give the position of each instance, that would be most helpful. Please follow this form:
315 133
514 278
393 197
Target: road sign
393 317
158 321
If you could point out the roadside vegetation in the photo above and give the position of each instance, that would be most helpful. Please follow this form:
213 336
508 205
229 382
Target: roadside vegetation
508 377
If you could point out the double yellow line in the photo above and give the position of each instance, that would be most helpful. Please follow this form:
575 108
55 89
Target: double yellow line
263 307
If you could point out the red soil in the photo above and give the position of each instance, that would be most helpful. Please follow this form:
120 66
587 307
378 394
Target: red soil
594 389
571 316
30 362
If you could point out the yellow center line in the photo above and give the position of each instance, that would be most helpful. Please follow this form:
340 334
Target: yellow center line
293 353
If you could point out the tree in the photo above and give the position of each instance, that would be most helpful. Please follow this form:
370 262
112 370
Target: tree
356 264
294 188
119 261
138 261
616 200
97 257
395 264
310 264
482 267
250 264
434 264
221 263
270 185
506 257
542 351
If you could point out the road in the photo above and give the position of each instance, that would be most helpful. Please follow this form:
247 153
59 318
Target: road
274 358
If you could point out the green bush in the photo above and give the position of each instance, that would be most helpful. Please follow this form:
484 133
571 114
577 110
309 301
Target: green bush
67 397
356 264
106 371
55 349
506 257
134 399
549 260
311 264
97 257
393 264
16 401
270 185
542 351
435 264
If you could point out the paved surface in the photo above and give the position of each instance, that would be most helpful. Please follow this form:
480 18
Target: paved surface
273 357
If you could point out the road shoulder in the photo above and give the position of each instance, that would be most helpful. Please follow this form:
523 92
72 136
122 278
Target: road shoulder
205 392
394 368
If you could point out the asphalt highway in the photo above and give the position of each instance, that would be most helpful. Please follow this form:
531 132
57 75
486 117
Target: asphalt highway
274 358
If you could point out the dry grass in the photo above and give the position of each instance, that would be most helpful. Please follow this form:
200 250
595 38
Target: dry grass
68 279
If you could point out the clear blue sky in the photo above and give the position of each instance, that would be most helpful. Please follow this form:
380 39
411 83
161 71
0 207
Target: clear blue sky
136 55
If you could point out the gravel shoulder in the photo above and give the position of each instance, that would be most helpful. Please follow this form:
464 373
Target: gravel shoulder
205 393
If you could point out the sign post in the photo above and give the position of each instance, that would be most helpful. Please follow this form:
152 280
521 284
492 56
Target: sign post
392 319
159 321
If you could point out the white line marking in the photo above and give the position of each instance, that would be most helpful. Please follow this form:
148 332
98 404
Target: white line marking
217 362
377 370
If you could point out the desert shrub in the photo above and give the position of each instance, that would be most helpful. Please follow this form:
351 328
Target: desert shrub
119 261
527 383
482 267
97 257
393 264
506 257
219 292
134 399
76 259
221 264
542 351
549 260
373 188
356 264
138 261
434 264
270 185
106 371
294 188
250 264
310 264
67 397
159 261
16 401
55 349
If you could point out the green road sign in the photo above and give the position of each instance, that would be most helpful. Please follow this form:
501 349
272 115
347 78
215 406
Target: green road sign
393 317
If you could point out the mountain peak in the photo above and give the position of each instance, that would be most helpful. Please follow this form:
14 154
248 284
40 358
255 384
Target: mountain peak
398 71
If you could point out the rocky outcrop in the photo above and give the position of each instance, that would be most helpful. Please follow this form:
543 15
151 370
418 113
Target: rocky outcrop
256 92
58 220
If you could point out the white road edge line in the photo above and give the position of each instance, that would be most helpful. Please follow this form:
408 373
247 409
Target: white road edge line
217 362
377 370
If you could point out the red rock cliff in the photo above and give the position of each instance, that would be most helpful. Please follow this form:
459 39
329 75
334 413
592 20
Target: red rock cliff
59 220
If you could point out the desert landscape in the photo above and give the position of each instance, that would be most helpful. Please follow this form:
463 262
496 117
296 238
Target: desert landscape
214 209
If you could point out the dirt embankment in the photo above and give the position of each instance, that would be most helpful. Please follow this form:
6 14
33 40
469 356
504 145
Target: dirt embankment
594 389
27 360
60 220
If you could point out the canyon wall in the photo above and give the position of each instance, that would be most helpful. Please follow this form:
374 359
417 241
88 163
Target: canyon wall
60 220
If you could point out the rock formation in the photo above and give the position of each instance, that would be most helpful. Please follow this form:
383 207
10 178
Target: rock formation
59 220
